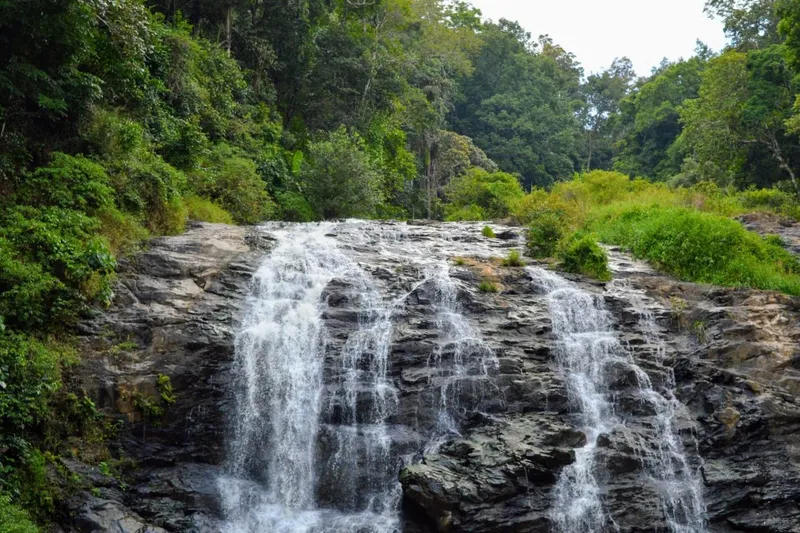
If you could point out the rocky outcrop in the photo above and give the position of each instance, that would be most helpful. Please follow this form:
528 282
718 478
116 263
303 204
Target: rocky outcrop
735 356
770 224
173 319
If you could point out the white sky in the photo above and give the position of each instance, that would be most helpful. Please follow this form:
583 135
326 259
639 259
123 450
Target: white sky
597 31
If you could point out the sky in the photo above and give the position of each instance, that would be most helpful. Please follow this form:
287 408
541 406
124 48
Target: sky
597 31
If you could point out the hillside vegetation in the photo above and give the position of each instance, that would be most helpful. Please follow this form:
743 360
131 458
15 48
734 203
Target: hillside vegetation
125 119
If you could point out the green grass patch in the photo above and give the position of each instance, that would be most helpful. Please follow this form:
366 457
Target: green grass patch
698 246
514 259
488 232
488 287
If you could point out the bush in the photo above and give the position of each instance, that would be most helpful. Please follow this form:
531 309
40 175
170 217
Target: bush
700 247
122 231
340 179
51 263
546 229
488 232
14 519
294 207
204 210
29 376
232 181
68 182
580 254
493 192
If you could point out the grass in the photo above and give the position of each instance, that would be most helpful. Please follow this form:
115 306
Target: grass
701 247
514 259
488 232
686 232
488 287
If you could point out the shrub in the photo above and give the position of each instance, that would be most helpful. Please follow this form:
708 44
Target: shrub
204 210
547 228
294 207
68 182
232 181
51 263
122 231
580 254
700 247
14 519
340 178
488 232
514 259
29 376
493 192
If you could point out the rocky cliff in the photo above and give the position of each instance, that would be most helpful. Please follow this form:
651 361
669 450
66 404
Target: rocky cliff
481 423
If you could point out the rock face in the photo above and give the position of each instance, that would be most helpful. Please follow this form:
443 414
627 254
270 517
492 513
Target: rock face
174 314
731 358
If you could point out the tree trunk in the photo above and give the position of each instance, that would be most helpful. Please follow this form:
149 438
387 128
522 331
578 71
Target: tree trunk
228 28
775 147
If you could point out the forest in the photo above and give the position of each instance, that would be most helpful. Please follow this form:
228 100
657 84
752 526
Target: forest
125 119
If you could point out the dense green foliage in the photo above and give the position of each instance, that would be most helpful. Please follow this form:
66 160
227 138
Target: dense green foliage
700 247
686 232
122 120
581 254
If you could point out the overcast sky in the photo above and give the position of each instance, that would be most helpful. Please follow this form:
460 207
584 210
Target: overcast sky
597 31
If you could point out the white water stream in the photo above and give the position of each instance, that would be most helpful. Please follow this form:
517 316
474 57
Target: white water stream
588 350
281 355
315 446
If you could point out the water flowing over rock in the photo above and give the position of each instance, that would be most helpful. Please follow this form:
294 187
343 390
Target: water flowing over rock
351 377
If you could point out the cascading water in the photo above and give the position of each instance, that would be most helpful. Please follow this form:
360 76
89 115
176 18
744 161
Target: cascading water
280 358
588 349
665 459
470 360
312 432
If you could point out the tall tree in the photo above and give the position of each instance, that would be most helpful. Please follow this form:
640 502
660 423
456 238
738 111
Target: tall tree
603 93
748 23
520 104
738 121
649 119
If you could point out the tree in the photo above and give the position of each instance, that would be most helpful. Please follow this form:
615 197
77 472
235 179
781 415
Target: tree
649 120
748 23
520 104
738 121
340 179
603 93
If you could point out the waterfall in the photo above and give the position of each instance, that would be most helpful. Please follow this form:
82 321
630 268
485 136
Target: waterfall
280 362
588 348
665 460
470 359
314 448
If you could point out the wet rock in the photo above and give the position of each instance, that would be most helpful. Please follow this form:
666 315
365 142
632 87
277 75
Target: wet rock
177 309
